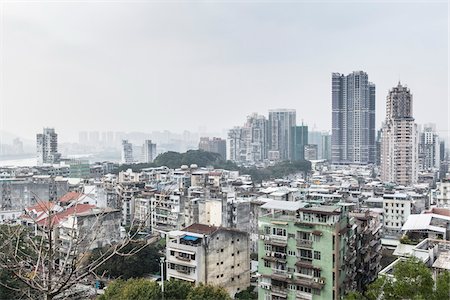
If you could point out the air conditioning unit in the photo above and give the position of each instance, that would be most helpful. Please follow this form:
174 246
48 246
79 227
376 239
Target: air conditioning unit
316 280
267 238
321 281
261 237
290 276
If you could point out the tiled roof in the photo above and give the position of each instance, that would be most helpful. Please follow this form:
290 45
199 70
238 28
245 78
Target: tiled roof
59 217
70 196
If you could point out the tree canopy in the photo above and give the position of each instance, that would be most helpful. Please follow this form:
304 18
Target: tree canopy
145 261
412 279
132 289
202 158
173 290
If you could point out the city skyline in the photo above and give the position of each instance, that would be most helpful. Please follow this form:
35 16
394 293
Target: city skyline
243 58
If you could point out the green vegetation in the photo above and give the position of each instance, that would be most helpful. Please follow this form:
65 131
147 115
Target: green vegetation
132 289
248 294
412 279
203 159
177 289
208 292
173 290
145 261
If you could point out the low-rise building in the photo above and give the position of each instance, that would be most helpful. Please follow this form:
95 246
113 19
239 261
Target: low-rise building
210 255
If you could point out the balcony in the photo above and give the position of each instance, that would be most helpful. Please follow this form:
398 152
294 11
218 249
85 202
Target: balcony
304 244
184 258
303 296
279 290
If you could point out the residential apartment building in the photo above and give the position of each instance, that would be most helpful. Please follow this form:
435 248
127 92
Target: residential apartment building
353 119
302 250
397 208
127 152
429 148
215 145
148 152
210 255
47 147
250 142
399 145
281 126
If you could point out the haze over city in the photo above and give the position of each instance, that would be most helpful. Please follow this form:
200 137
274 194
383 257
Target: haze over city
146 66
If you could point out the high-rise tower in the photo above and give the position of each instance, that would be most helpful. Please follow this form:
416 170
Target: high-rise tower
353 119
47 147
281 127
399 139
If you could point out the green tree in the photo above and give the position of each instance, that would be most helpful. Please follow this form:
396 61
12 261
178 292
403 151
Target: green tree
411 280
247 294
132 289
145 261
177 289
353 295
443 286
208 292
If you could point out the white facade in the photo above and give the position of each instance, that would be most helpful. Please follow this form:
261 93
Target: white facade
148 152
47 147
397 208
127 152
443 194
400 140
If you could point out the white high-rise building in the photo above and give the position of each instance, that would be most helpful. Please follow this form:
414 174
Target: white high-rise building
47 147
429 148
249 143
127 152
281 128
148 151
399 141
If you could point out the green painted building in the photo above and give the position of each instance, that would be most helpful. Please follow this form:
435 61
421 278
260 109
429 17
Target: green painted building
303 251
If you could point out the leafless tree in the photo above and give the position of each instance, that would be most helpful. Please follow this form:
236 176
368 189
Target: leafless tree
49 268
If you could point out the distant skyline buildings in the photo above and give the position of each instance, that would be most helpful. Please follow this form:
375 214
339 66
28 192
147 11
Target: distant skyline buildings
353 119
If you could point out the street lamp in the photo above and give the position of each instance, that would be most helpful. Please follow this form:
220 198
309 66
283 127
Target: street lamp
162 276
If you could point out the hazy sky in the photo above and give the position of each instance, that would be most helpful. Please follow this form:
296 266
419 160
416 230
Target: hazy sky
147 66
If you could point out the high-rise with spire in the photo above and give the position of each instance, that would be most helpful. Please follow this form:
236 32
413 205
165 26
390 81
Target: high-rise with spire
399 139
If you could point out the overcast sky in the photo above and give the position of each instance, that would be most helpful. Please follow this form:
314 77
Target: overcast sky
148 66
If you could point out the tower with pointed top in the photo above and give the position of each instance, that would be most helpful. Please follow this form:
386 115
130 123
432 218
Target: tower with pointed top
399 139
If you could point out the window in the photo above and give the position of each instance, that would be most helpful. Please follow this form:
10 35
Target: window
317 273
172 253
279 231
266 264
317 255
267 229
291 253
232 254
316 238
221 250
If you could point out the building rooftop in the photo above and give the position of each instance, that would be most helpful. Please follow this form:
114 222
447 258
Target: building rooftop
284 205
201 228
424 222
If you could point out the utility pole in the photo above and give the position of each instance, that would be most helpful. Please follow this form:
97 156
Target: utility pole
162 276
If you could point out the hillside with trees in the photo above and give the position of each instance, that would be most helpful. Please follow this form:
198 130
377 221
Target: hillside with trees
204 159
